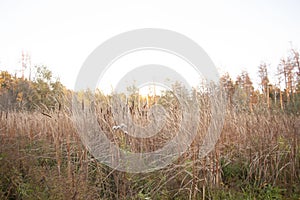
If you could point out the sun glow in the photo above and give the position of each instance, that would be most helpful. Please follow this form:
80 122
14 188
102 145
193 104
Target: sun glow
151 90
127 63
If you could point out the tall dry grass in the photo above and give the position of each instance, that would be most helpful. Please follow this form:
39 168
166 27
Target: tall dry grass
42 157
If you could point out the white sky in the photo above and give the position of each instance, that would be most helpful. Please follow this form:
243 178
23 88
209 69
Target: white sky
236 34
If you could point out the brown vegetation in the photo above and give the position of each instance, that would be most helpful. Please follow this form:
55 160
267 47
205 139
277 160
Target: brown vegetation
42 155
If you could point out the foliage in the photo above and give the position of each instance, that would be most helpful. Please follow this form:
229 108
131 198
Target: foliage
43 93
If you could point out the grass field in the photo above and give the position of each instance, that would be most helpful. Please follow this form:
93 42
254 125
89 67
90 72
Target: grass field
256 157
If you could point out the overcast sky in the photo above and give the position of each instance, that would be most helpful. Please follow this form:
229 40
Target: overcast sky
237 35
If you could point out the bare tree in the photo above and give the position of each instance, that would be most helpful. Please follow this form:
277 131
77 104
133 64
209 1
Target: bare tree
264 81
289 68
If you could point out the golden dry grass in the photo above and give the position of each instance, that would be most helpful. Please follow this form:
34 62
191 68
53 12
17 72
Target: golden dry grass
42 157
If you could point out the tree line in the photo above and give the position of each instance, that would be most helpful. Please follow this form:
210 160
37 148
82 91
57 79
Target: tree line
282 95
45 92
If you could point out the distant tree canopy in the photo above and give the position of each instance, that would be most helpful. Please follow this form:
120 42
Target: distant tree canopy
47 93
282 95
43 93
